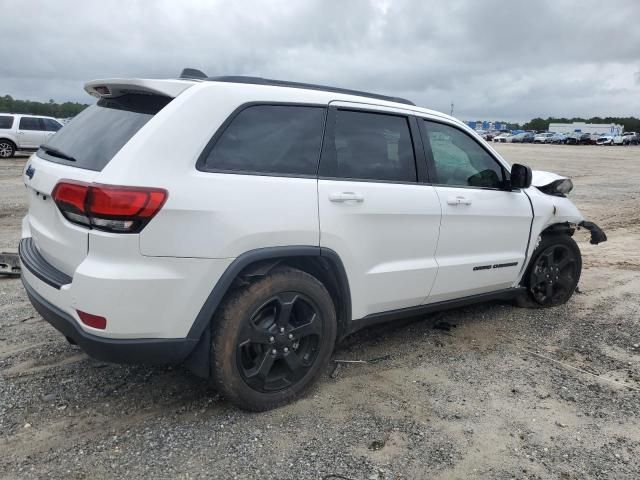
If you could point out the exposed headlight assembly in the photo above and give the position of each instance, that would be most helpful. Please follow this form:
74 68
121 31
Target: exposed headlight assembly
559 188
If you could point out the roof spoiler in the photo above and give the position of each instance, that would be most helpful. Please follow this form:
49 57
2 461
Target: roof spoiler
116 87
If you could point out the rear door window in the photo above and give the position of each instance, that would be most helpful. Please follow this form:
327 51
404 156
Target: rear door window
95 135
270 139
6 121
370 146
30 123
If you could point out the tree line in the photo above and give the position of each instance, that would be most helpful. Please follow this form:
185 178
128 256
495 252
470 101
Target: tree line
630 124
8 104
70 109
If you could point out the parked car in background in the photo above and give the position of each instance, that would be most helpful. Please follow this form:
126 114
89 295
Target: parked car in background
558 138
24 132
488 136
572 139
627 138
524 137
605 140
593 138
502 138
578 139
543 137
585 139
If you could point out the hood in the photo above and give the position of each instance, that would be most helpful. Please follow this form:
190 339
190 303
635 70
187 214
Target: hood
542 178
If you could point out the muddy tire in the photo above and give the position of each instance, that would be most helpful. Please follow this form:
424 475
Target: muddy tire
272 339
553 273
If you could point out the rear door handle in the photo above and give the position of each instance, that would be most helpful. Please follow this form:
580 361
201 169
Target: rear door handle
346 197
458 200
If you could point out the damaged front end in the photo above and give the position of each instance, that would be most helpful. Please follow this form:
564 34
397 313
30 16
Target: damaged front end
597 234
560 210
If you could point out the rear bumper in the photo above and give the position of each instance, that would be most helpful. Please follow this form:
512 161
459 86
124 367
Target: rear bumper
157 351
141 297
39 267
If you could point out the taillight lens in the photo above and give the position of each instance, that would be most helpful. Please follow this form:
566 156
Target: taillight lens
107 207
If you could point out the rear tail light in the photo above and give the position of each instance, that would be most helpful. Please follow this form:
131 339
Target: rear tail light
106 207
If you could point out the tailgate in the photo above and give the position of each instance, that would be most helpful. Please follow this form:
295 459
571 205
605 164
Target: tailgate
61 243
79 152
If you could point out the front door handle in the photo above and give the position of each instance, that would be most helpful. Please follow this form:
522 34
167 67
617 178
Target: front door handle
346 197
458 200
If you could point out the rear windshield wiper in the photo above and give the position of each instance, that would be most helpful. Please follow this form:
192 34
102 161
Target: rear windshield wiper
57 153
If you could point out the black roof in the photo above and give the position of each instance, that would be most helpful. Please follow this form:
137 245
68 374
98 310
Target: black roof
198 75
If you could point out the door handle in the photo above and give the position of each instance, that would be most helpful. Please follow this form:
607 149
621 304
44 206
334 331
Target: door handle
458 200
20 133
346 197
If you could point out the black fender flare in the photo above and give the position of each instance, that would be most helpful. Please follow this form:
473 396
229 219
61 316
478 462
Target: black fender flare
262 261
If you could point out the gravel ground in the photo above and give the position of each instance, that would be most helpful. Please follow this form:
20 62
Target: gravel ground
503 393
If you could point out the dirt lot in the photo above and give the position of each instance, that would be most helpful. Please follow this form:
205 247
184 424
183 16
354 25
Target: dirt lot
505 393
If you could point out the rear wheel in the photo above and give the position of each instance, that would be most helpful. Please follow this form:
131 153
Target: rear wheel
7 149
554 272
273 339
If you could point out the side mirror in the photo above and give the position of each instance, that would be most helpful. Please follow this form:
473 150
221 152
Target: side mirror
521 176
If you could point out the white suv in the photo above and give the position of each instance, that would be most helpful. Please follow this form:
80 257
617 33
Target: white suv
24 132
243 226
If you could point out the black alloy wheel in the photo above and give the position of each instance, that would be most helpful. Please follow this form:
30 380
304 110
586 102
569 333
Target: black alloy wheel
279 344
553 275
272 338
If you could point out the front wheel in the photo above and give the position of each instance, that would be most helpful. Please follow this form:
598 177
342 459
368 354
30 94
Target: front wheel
272 339
554 272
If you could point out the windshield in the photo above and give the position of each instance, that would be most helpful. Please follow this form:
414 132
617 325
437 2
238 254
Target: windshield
94 136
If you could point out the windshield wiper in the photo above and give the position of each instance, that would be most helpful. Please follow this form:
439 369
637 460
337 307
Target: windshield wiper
57 153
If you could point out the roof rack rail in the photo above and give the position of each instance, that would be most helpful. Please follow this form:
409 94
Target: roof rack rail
307 86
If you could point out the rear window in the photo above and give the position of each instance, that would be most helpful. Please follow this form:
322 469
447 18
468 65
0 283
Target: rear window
6 121
270 139
94 136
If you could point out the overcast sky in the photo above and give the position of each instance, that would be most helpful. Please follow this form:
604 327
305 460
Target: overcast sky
494 59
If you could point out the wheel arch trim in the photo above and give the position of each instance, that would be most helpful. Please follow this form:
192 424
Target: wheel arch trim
8 139
264 260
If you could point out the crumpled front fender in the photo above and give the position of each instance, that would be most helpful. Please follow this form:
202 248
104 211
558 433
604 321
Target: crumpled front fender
540 178
548 210
597 234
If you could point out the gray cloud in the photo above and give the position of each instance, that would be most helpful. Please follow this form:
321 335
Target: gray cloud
493 59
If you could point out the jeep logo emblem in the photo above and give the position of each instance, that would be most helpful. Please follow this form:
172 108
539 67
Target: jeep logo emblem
30 172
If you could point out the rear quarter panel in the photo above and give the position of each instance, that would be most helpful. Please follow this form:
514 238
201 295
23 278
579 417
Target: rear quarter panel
213 215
